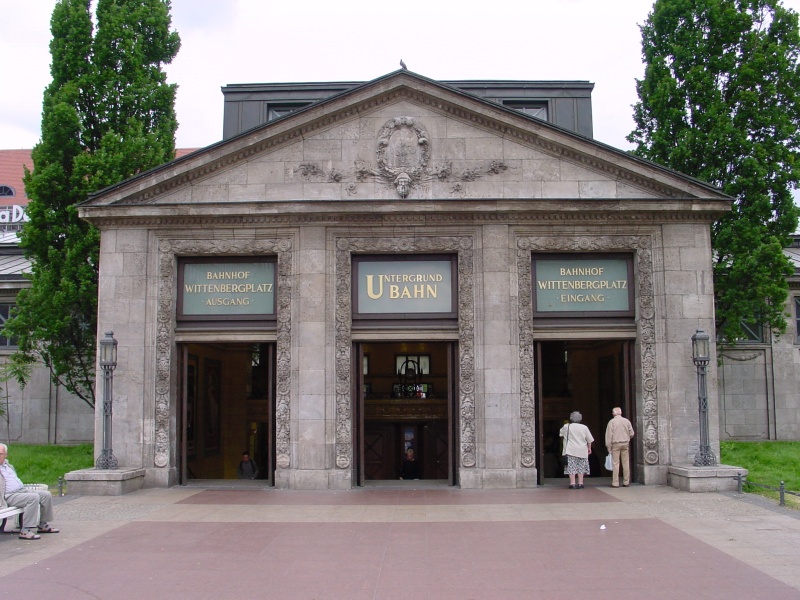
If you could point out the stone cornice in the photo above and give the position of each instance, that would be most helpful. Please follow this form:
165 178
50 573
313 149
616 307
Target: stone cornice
544 137
378 219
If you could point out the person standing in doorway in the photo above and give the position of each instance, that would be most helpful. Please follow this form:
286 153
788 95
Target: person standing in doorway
619 432
247 467
410 466
577 448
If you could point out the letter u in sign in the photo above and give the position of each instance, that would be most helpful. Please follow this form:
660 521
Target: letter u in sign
371 287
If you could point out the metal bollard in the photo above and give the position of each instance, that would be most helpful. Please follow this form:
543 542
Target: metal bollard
739 482
60 486
783 495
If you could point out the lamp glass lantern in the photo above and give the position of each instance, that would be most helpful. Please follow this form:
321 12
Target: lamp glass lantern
108 351
700 348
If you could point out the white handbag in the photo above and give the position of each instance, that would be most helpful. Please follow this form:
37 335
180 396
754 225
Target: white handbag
609 463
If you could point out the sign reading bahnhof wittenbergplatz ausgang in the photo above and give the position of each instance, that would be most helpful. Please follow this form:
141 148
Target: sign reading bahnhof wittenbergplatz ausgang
574 285
412 287
228 289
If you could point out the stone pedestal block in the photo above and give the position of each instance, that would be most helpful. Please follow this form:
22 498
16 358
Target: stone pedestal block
719 478
526 478
283 479
650 474
111 482
308 479
160 478
340 479
471 479
499 479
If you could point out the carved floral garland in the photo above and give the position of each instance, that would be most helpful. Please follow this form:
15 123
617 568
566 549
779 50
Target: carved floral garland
168 251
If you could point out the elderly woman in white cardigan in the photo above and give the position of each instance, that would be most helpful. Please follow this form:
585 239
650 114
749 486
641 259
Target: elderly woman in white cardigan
577 448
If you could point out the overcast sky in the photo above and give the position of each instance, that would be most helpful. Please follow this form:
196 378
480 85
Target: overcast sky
254 41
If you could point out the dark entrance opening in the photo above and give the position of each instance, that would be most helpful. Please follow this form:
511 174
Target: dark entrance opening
405 398
226 408
590 376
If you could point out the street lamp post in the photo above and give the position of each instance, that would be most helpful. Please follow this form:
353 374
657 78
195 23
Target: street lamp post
700 356
108 362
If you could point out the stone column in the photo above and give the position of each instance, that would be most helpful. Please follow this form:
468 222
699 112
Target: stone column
311 449
497 371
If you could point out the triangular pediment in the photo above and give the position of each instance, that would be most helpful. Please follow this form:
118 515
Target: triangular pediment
403 138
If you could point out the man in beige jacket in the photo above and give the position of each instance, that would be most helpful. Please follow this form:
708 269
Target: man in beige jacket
618 439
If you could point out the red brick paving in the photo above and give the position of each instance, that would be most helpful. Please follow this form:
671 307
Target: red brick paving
634 558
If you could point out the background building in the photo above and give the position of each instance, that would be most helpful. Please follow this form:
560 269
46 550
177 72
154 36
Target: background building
758 378
41 412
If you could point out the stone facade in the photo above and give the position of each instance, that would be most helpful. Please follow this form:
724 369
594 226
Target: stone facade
486 185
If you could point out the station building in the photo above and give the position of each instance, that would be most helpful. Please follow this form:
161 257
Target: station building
360 268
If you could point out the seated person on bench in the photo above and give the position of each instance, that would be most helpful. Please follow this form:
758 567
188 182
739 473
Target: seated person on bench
37 505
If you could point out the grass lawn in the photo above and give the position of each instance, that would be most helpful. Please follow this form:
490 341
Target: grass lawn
45 464
768 463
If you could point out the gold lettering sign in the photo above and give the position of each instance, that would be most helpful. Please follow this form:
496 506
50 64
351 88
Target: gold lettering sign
228 289
405 287
581 285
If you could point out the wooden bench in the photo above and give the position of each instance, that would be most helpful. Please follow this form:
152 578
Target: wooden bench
7 512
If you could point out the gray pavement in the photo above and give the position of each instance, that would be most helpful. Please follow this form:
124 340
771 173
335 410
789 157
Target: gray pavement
410 542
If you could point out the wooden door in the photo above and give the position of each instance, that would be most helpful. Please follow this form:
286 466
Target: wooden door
380 451
436 450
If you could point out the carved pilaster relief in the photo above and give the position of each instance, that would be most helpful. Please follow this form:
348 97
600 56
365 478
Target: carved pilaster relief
167 271
345 248
641 246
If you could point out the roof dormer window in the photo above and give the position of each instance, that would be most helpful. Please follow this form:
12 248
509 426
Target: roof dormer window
276 110
532 109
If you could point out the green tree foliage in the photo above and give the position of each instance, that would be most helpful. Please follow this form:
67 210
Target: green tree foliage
720 101
107 115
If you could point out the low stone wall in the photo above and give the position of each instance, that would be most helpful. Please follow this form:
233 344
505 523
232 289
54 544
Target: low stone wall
110 482
719 478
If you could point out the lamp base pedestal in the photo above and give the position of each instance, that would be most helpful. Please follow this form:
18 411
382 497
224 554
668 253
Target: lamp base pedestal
716 478
104 482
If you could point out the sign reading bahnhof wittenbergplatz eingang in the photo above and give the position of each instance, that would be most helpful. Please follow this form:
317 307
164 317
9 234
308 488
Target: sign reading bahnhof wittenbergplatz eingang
587 285
228 289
